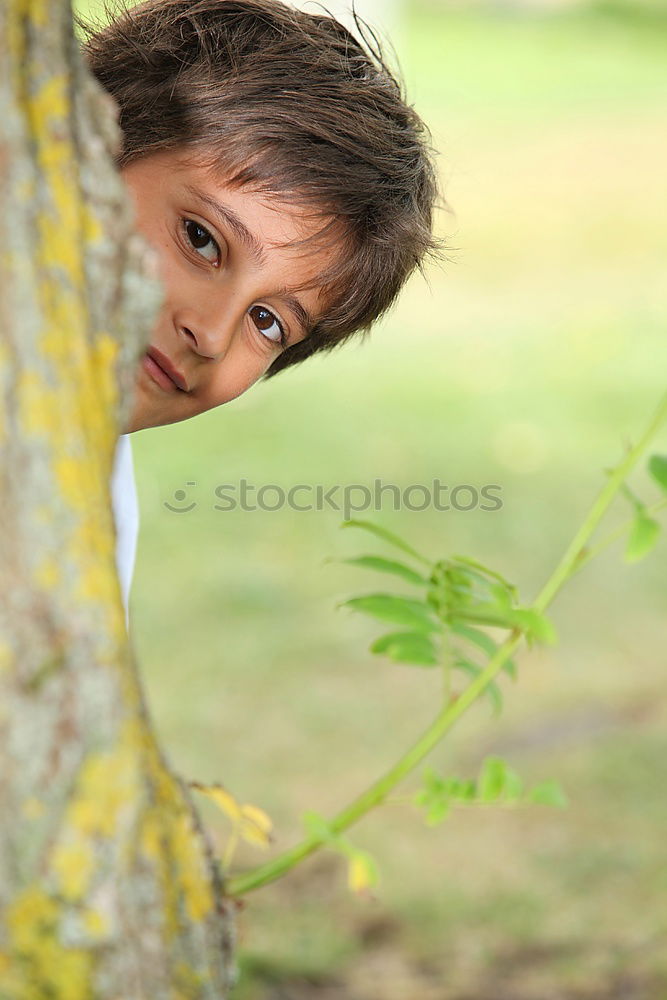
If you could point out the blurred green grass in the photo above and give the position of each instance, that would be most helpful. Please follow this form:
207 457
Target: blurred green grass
529 360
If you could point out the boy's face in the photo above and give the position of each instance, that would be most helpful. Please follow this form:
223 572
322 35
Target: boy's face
231 299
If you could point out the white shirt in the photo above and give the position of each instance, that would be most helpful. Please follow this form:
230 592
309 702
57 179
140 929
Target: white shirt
126 515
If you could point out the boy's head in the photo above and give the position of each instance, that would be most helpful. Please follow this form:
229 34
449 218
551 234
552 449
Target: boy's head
283 115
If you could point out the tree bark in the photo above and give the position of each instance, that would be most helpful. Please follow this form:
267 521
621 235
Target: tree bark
108 888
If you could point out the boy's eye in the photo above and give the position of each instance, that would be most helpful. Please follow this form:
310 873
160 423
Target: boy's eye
268 324
199 238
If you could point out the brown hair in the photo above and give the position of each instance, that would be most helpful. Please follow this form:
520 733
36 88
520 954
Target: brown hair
291 104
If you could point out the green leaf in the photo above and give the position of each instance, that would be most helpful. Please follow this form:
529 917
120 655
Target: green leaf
392 608
459 581
657 466
474 563
432 780
491 783
388 566
492 690
483 642
643 537
509 667
434 797
513 789
477 638
502 595
466 577
536 625
448 598
498 782
485 613
437 812
466 790
407 647
388 536
547 793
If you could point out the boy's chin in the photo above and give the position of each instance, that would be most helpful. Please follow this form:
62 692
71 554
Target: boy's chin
141 418
140 421
147 413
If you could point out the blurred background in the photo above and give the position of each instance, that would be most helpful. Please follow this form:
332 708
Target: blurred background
529 360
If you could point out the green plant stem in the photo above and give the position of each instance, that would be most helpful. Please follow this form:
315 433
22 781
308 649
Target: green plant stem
576 549
451 712
613 536
446 667
378 792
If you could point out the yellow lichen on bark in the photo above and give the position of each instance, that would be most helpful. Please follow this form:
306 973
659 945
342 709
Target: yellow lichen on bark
107 783
73 863
41 965
6 657
174 847
70 402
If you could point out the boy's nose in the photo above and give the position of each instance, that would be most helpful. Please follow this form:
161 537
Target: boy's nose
208 345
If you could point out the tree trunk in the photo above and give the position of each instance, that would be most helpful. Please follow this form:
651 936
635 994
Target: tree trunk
107 886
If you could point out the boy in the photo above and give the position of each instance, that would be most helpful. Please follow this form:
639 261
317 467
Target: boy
284 182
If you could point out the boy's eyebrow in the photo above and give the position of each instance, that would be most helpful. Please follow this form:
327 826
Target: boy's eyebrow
230 217
301 313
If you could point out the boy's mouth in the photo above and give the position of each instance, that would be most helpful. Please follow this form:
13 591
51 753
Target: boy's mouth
159 367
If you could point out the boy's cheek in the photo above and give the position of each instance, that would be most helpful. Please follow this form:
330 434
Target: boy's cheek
213 386
226 384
